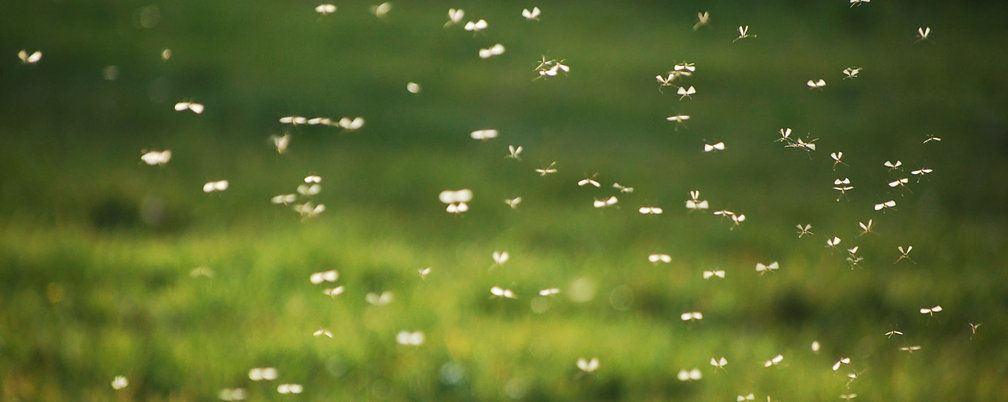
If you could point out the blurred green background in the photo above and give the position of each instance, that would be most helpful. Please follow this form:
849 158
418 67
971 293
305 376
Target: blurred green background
97 248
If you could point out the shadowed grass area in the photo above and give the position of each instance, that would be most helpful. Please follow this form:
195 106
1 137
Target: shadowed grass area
98 251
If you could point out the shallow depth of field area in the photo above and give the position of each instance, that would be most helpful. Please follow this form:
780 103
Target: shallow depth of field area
110 267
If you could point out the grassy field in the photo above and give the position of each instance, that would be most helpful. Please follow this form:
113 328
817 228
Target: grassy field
98 250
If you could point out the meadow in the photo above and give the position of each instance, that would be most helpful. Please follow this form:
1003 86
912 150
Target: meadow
111 267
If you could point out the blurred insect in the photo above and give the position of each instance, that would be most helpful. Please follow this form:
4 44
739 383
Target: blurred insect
904 253
762 268
605 202
695 203
413 87
454 17
29 58
552 68
743 398
659 258
703 18
650 210
719 363
423 272
931 138
483 134
865 227
858 2
475 26
531 15
899 182
549 292
804 144
281 142
283 199
691 316
324 276
815 346
785 135
893 166
852 257
851 72
689 375
743 32
201 272
850 396
498 291
842 361
379 299
154 158
325 9
622 188
920 173
290 389
232 394
457 201
684 69
262 374
495 50
513 202
309 188
837 159
910 349
774 361
931 310
736 218
589 181
714 274
923 33
322 332
804 230
720 146
686 92
843 186
190 106
679 120
817 84
514 152
588 365
833 242
381 10
665 81
293 120
500 257
333 292
973 328
410 338
891 333
215 186
119 382
309 210
166 54
315 121
885 205
547 170
351 124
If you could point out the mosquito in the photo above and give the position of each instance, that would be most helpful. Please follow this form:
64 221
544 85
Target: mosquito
743 33
904 254
865 227
804 230
703 18
837 159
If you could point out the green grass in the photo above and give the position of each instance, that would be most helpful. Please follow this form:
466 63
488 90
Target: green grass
96 249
